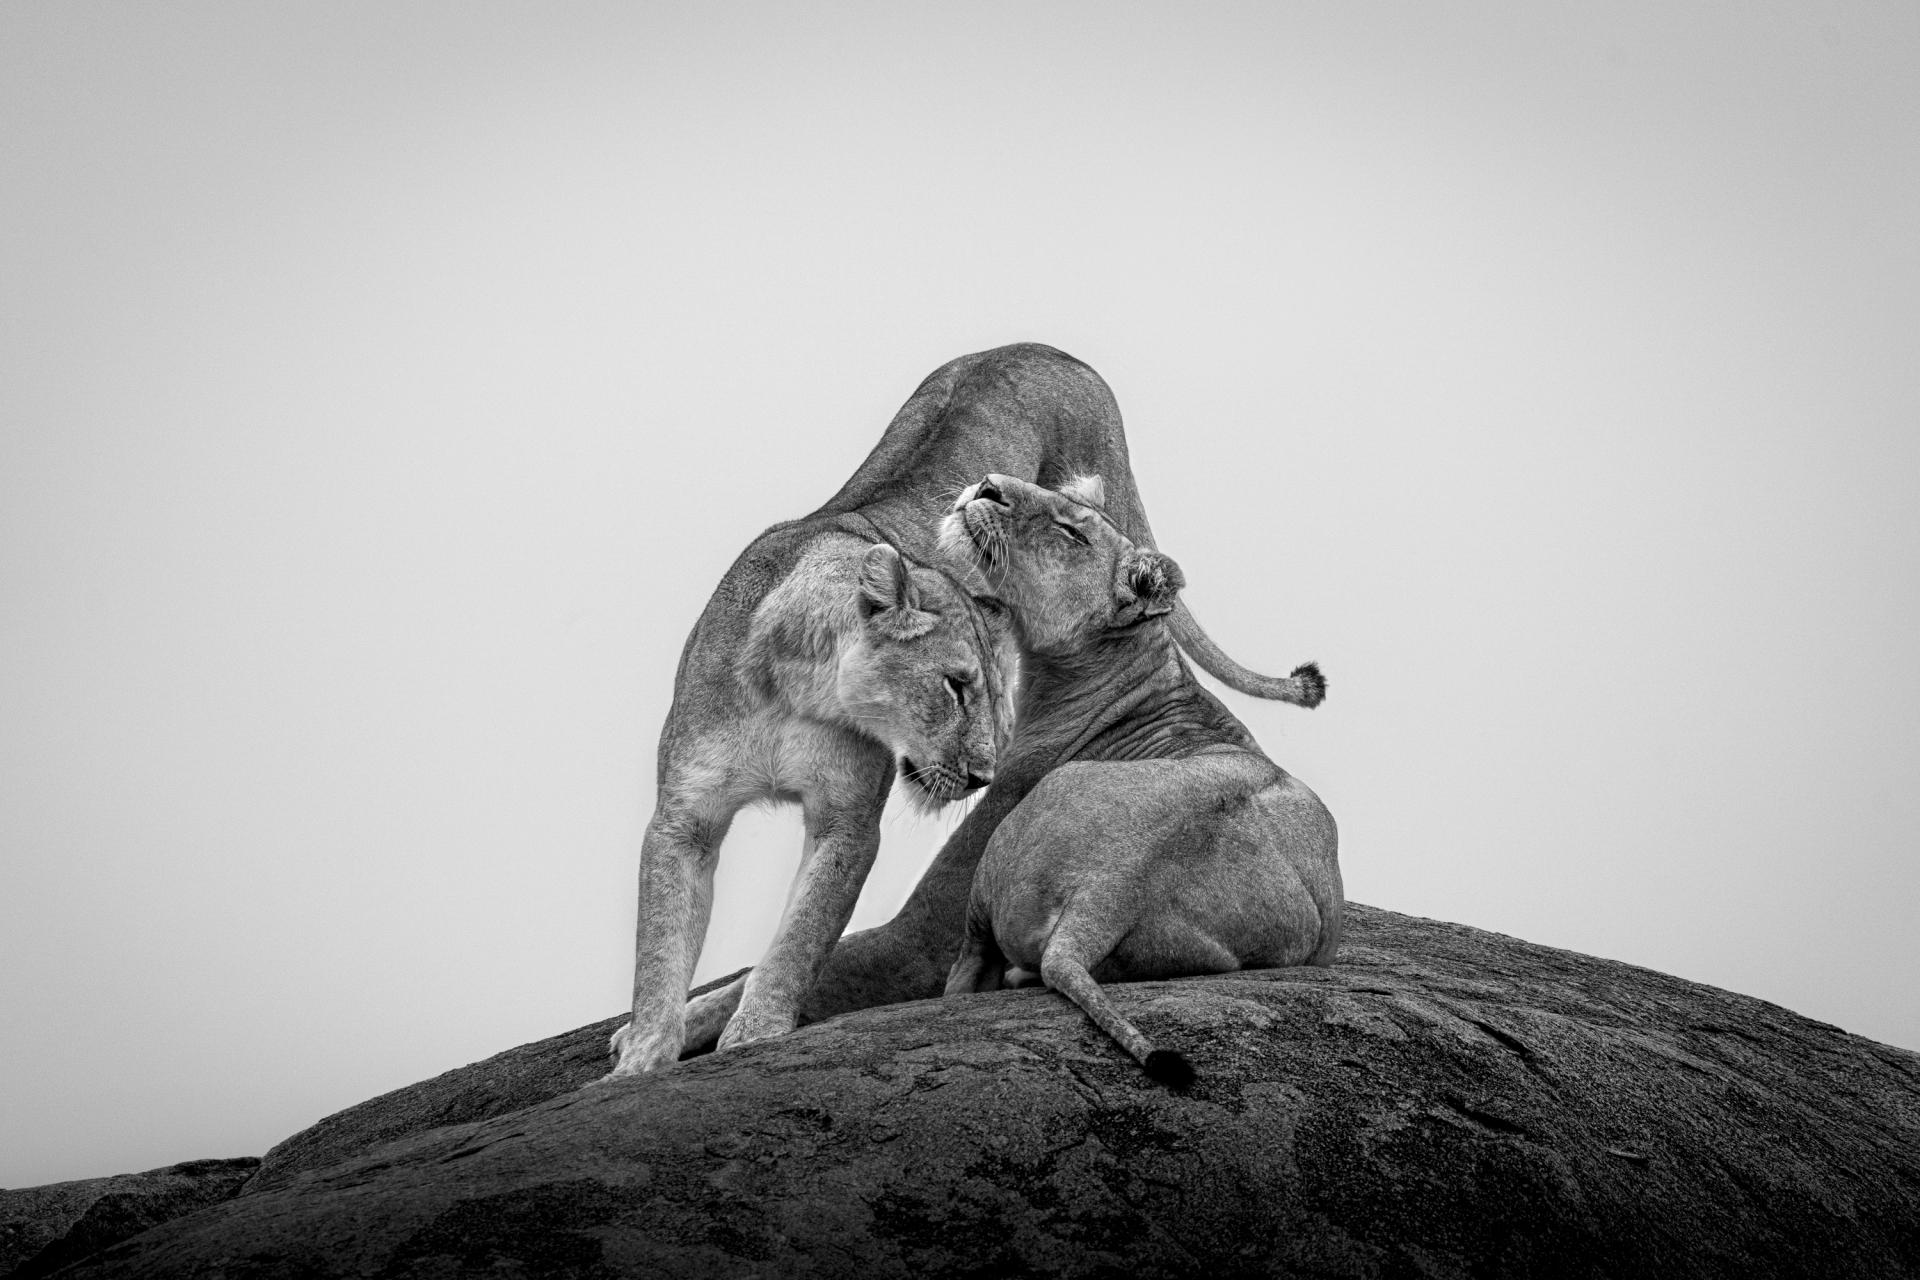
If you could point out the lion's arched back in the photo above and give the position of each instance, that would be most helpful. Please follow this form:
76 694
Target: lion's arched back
1027 410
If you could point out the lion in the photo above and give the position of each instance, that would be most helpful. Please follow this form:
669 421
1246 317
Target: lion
823 662
1027 410
1161 842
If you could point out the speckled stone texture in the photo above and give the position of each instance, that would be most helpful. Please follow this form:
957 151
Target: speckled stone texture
44 1228
1443 1102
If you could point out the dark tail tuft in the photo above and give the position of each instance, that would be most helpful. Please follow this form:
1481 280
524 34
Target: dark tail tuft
1308 674
1171 1068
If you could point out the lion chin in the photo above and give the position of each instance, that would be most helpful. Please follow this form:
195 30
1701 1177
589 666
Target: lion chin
932 787
972 535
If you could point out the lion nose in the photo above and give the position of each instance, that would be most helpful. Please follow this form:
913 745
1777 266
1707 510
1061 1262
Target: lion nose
976 781
988 492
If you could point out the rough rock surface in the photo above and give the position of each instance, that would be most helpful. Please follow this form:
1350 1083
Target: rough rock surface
1443 1102
491 1087
42 1228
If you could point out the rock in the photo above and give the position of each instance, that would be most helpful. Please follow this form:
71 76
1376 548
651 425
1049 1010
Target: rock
1443 1102
496 1086
491 1087
42 1228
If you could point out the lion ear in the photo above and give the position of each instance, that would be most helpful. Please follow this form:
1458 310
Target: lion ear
1151 582
884 581
887 595
1088 491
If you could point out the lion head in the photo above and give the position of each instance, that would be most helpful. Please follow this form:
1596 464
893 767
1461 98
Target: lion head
1056 559
929 673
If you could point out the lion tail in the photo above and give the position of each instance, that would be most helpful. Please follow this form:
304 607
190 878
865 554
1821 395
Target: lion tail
1070 978
1305 687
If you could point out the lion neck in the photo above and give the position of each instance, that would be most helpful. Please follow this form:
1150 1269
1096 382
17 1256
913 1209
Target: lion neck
1127 696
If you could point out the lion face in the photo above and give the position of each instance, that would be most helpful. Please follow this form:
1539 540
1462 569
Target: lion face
1067 573
931 675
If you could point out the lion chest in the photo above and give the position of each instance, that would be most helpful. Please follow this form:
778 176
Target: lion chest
776 758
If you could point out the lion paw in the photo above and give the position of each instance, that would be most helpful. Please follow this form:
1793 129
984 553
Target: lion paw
634 1054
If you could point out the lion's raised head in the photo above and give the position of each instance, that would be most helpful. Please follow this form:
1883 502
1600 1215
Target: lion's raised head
1069 575
930 674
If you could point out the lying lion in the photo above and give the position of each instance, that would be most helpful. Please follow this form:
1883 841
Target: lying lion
1162 841
1025 409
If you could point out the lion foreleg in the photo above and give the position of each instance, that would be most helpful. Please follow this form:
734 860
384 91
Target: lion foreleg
677 858
839 853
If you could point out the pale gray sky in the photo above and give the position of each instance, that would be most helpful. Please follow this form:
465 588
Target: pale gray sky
383 389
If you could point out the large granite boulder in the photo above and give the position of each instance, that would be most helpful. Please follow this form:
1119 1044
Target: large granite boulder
44 1228
1443 1102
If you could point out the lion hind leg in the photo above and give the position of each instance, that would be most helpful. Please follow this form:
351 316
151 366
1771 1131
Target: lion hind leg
1065 973
981 965
707 1016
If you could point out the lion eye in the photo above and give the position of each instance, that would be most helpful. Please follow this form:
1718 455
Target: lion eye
957 690
1072 532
